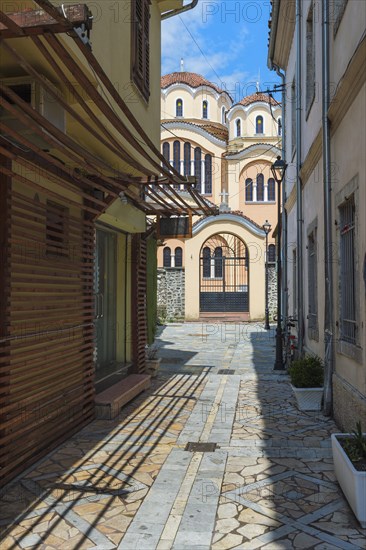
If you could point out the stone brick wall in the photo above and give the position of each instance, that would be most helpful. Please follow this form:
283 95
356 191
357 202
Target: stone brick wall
171 286
349 405
272 290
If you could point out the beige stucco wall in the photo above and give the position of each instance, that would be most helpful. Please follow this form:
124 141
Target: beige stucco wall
348 169
208 147
345 41
111 44
313 213
248 116
239 171
192 102
255 246
351 163
172 244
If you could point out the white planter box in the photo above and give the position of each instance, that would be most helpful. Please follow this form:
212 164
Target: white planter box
352 482
308 399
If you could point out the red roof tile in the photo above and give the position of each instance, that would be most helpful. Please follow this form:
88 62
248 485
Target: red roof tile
191 79
248 100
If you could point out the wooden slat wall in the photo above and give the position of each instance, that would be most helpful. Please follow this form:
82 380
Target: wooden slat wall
46 360
4 308
139 292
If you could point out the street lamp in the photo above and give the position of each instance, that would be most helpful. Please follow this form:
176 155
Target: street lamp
278 170
267 228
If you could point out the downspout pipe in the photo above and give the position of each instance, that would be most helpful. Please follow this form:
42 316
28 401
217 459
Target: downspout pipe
284 198
178 11
299 209
327 190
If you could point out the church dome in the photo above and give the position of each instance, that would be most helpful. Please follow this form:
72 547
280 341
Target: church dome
253 98
193 80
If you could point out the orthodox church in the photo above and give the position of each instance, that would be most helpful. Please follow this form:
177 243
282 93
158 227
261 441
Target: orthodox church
229 147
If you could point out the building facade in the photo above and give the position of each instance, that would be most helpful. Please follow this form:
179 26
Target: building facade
229 148
321 48
77 159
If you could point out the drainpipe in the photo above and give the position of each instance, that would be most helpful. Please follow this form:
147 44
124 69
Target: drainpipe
299 274
284 198
329 305
178 11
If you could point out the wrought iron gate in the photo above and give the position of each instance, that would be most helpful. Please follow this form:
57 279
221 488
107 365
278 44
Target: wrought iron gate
224 275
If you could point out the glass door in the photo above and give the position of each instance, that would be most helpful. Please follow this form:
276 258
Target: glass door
105 303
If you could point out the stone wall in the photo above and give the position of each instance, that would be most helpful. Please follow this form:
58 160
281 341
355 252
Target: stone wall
272 290
171 288
349 405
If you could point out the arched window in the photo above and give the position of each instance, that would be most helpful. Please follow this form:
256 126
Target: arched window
166 151
223 115
176 159
176 155
205 109
206 263
259 125
208 174
198 167
279 122
218 262
272 254
271 189
260 187
248 190
178 255
187 159
238 128
179 107
167 257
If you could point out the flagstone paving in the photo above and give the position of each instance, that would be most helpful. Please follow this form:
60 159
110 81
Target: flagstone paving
266 482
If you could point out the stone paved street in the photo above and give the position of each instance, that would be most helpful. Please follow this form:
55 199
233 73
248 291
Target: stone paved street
130 483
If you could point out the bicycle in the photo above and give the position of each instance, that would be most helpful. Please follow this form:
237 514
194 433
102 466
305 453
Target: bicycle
289 340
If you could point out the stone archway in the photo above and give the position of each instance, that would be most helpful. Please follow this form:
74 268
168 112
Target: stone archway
224 275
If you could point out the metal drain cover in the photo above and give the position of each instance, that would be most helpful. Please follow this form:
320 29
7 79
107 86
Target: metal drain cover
226 371
195 447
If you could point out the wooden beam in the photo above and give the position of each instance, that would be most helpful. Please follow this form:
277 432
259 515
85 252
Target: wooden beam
7 22
26 23
102 104
116 147
47 6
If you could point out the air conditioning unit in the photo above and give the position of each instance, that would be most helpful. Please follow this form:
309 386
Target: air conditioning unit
33 93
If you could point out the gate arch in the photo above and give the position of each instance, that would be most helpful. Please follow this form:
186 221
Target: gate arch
224 275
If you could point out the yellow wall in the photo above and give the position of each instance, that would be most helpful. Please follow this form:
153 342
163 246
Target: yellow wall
207 148
111 44
248 115
255 246
192 103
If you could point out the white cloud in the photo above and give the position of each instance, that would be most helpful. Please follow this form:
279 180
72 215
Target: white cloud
224 53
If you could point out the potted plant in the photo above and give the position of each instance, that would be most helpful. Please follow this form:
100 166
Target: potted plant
307 379
349 457
152 360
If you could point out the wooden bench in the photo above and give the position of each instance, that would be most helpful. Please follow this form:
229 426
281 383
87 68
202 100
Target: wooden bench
109 402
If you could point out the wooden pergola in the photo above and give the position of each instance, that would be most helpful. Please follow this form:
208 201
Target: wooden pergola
152 185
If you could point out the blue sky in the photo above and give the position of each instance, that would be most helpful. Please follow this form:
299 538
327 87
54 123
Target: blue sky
233 35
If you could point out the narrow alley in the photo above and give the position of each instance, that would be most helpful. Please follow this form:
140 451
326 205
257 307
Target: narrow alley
214 455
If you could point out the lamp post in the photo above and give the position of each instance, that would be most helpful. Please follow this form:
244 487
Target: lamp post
278 170
267 228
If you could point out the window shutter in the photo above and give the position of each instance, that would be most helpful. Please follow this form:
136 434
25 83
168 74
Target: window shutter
141 46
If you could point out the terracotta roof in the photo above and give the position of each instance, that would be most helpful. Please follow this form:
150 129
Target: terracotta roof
235 213
248 100
216 130
229 153
191 79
